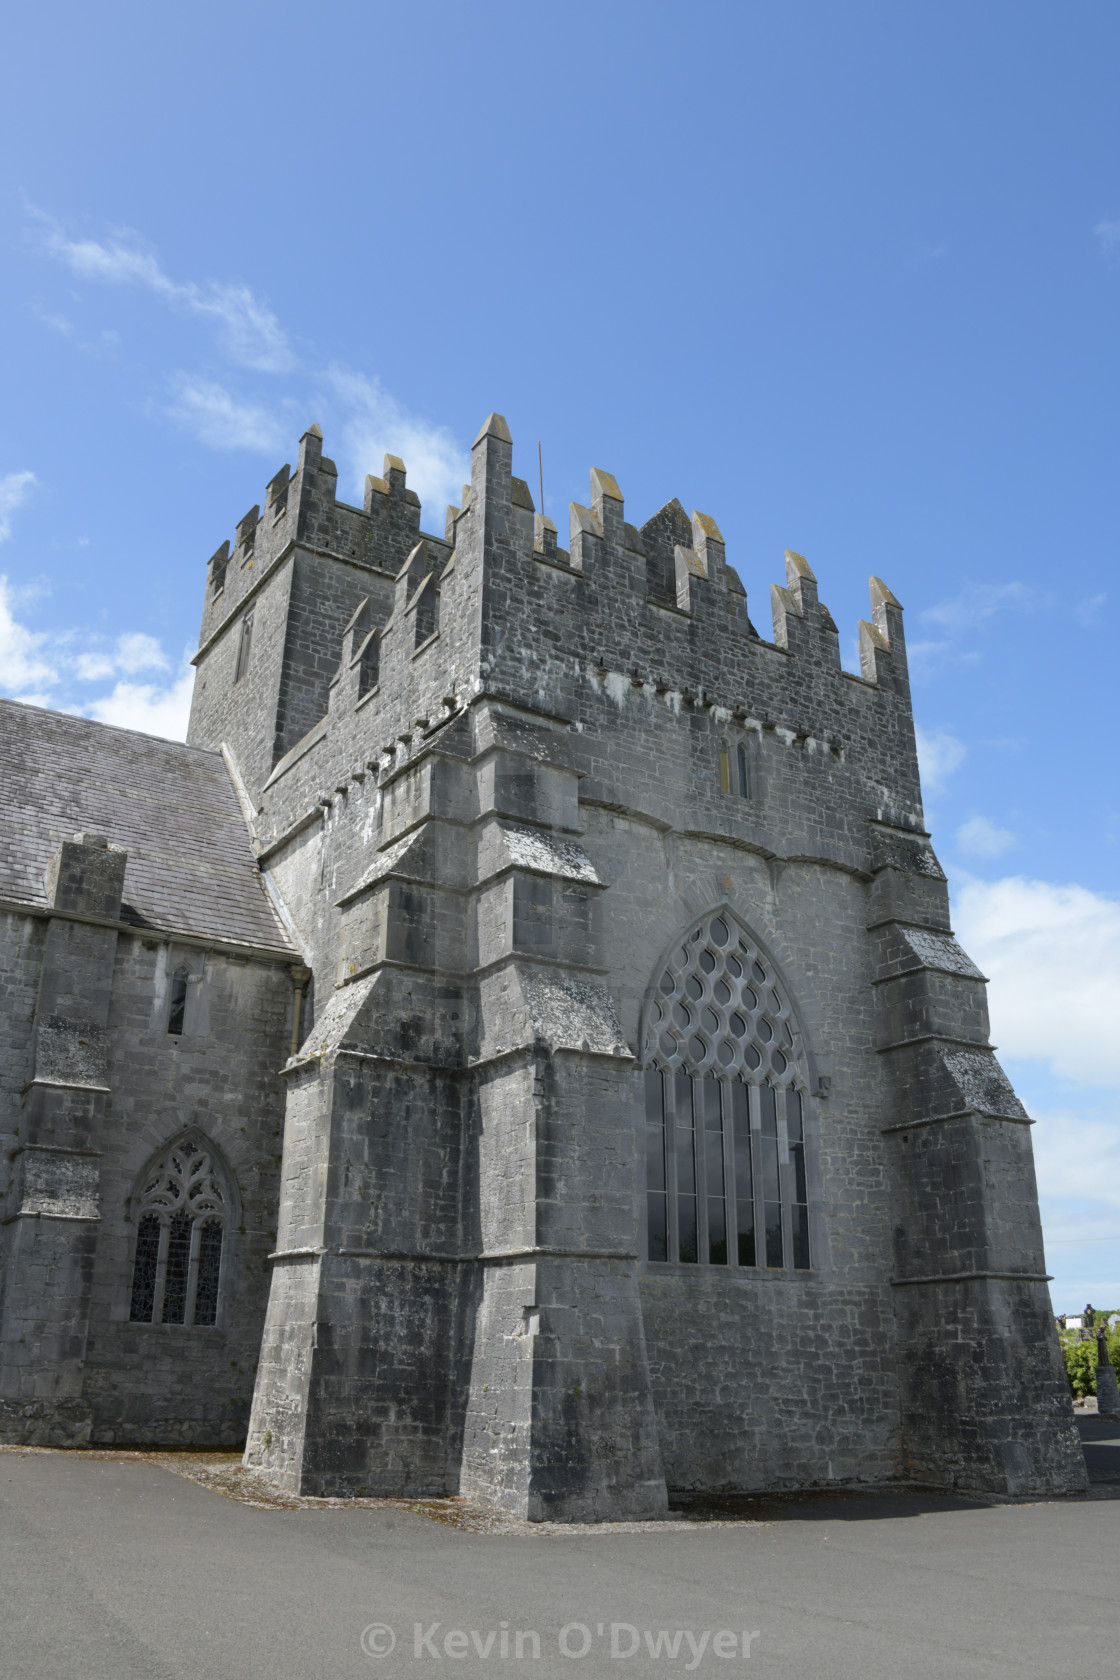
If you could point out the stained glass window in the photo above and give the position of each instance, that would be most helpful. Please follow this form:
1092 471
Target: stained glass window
725 1108
182 1208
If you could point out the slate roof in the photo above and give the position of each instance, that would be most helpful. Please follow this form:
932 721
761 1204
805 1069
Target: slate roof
190 865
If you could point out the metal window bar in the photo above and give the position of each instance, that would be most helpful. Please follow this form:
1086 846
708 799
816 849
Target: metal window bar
741 1173
684 1139
798 1187
771 1176
710 1110
657 1196
726 1180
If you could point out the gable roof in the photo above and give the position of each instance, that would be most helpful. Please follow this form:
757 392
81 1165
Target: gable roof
172 807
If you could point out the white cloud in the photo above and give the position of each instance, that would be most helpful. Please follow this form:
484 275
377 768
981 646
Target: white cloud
24 662
374 425
133 652
14 490
218 419
42 668
1053 956
1077 1159
1108 235
148 707
982 838
251 333
939 754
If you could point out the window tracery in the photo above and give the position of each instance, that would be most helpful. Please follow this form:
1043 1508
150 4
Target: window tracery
725 1103
182 1214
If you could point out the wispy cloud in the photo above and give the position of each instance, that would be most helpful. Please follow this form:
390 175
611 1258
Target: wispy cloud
977 602
980 837
1089 611
374 424
57 668
15 488
366 420
950 623
222 421
1107 231
1053 956
152 708
250 332
939 754
25 667
924 252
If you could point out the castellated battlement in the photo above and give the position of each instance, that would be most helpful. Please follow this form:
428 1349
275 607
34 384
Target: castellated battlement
641 1125
356 626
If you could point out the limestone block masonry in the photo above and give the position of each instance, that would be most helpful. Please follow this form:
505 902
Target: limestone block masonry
495 785
640 1125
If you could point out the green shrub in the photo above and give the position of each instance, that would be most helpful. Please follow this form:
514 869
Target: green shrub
1081 1363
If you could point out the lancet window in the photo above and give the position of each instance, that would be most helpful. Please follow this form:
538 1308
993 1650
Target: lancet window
725 1097
177 1002
181 1223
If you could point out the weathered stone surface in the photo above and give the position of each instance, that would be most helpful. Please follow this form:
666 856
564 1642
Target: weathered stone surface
497 791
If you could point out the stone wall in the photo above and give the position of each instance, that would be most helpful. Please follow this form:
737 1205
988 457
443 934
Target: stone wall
486 857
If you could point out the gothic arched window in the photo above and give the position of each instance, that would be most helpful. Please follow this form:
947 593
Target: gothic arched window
725 1091
182 1213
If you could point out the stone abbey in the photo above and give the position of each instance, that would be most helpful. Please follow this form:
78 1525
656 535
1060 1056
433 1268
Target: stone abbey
517 1047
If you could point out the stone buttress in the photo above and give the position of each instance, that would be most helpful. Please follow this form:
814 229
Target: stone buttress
490 782
54 1212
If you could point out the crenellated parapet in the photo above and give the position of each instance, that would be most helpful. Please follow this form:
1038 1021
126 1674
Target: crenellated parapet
494 780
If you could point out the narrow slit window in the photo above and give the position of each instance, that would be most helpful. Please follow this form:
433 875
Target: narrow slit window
744 1173
209 1273
684 1134
427 612
724 769
771 1177
243 647
145 1268
657 1196
744 772
799 1195
177 1012
709 1095
178 1261
369 663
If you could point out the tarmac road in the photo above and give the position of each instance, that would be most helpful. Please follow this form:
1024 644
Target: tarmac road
121 1570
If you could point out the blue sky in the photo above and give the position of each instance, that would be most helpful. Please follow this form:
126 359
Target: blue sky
846 277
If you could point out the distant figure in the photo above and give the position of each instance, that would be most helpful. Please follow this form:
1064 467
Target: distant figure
1102 1346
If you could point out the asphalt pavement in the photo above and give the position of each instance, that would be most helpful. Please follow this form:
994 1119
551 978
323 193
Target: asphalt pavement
123 1570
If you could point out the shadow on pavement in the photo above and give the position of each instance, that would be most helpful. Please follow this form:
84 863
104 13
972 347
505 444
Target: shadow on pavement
1100 1440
